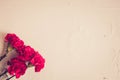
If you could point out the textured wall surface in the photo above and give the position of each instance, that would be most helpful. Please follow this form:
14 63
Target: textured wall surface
80 39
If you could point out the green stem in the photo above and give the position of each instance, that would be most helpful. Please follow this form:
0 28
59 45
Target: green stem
10 77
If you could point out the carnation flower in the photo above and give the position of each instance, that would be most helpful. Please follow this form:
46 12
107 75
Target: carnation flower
17 67
38 61
28 53
15 42
11 38
26 58
19 45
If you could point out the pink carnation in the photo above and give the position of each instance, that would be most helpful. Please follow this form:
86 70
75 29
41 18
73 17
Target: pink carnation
38 61
15 42
17 67
18 45
28 53
11 38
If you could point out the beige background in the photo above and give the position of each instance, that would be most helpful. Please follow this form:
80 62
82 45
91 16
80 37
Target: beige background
80 39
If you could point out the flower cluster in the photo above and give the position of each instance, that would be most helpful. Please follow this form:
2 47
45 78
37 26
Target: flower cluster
27 57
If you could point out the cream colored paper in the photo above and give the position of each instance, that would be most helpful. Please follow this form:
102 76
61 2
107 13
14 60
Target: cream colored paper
80 39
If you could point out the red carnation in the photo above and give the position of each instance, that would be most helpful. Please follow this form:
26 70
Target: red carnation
15 42
18 45
11 38
28 53
27 57
17 67
38 61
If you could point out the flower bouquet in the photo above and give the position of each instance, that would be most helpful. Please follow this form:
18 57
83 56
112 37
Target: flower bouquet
26 57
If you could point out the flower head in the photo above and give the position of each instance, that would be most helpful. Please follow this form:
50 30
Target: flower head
17 67
28 53
38 61
11 38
